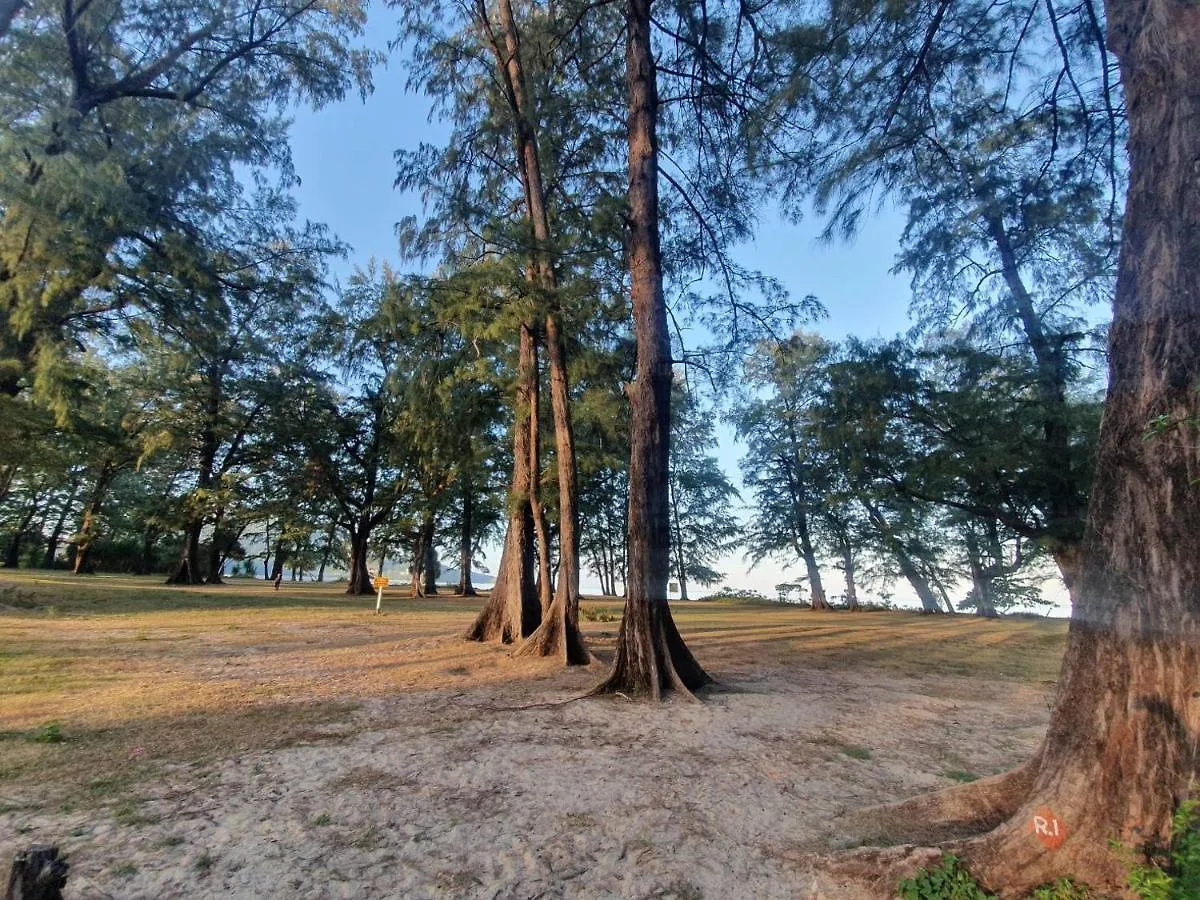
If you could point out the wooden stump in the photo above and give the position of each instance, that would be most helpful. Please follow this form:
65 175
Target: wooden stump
37 874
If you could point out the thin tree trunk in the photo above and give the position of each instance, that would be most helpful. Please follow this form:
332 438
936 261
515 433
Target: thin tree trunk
428 558
651 654
12 556
216 555
267 550
466 541
89 527
848 568
680 563
280 558
56 533
327 550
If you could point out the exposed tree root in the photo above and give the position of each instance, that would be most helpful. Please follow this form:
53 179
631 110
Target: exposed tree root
557 636
652 657
512 610
961 811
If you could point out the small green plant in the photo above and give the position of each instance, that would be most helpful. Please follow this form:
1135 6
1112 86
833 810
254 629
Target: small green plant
590 614
855 752
1063 889
1173 873
949 881
960 776
204 863
322 819
125 869
50 733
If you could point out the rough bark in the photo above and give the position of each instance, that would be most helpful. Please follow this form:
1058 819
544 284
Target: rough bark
430 563
545 581
512 611
651 655
37 874
1120 751
560 612
359 578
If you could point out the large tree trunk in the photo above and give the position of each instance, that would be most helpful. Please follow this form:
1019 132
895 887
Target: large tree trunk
558 633
187 570
359 578
1120 751
651 654
512 611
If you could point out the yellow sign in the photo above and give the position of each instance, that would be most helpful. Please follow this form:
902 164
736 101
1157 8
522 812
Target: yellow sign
380 583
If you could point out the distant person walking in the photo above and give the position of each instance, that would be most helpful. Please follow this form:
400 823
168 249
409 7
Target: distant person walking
278 578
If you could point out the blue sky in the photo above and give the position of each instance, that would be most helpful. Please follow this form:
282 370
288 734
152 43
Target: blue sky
343 155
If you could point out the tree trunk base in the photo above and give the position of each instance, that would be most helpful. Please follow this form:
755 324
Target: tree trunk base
1010 838
652 658
184 574
557 636
958 812
37 874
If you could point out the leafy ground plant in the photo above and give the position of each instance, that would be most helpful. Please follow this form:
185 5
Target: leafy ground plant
1175 873
949 881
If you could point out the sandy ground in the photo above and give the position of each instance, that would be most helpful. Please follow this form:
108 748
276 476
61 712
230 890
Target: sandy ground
452 792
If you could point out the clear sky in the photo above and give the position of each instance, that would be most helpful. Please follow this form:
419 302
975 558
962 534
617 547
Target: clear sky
344 157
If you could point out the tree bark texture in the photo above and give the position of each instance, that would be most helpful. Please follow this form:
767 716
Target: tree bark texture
37 874
360 537
558 634
651 655
1120 751
512 611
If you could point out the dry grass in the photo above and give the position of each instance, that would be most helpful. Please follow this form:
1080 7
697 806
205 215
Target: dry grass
137 676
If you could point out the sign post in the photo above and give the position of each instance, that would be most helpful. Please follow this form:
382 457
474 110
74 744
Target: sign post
379 583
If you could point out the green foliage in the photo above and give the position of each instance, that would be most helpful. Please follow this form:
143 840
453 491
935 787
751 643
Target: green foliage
1173 874
1063 889
949 881
50 733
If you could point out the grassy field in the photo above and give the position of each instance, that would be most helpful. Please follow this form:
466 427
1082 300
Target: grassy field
107 680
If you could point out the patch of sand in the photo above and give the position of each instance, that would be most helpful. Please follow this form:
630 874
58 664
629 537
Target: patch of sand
449 792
